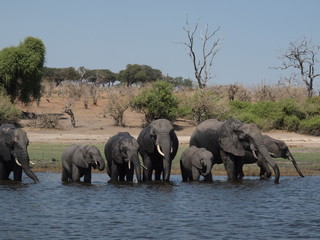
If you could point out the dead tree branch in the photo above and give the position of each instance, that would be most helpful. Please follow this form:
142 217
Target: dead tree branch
202 63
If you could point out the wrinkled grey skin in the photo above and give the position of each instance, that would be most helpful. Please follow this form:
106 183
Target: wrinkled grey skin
229 141
277 149
158 133
121 152
196 162
77 161
14 155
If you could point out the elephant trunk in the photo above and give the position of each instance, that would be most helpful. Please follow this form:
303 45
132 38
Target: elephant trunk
101 164
208 169
165 146
292 159
136 164
265 154
23 161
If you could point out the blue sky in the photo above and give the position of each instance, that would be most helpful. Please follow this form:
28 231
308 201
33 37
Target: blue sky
110 34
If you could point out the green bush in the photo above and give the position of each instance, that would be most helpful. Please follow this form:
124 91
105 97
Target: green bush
310 126
157 102
8 112
291 123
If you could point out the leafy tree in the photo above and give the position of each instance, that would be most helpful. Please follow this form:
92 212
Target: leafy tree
21 69
8 112
101 76
58 75
157 102
135 73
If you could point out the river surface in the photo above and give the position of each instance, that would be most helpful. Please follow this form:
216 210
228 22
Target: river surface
250 209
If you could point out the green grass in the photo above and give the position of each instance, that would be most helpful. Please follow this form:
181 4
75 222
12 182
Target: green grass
47 157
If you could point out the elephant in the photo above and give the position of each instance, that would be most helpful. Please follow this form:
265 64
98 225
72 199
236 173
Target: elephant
158 145
120 151
195 162
229 141
77 161
277 149
14 155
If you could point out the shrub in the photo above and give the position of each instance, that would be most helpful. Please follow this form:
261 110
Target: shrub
157 102
8 112
310 126
118 103
291 123
203 104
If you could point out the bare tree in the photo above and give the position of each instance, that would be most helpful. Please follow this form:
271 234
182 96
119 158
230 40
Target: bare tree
202 62
302 55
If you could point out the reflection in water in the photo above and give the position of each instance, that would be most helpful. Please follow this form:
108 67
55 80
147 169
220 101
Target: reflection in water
250 209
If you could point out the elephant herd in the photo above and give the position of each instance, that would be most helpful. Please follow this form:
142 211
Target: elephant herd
231 142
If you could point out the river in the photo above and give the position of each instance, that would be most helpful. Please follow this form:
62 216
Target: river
250 209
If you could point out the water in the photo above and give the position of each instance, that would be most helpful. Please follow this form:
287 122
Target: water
252 209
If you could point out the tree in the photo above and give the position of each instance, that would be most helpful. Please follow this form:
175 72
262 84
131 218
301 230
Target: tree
135 73
157 102
21 69
302 55
58 75
101 76
203 61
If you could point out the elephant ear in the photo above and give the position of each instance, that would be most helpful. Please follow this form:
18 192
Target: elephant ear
147 143
79 157
196 159
4 149
229 139
117 149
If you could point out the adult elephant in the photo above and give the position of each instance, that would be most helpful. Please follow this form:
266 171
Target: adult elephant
228 141
14 155
121 151
277 149
196 162
158 145
77 161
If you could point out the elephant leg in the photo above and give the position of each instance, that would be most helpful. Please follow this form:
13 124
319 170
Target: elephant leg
184 175
75 174
114 174
4 173
229 165
17 173
87 176
129 175
147 173
122 173
66 175
157 174
240 171
195 174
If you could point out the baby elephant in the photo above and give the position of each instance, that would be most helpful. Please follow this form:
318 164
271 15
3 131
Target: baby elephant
77 162
195 162
121 152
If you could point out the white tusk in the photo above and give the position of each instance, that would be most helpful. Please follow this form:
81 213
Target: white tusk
17 162
271 154
129 164
143 166
32 163
171 150
254 154
159 150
